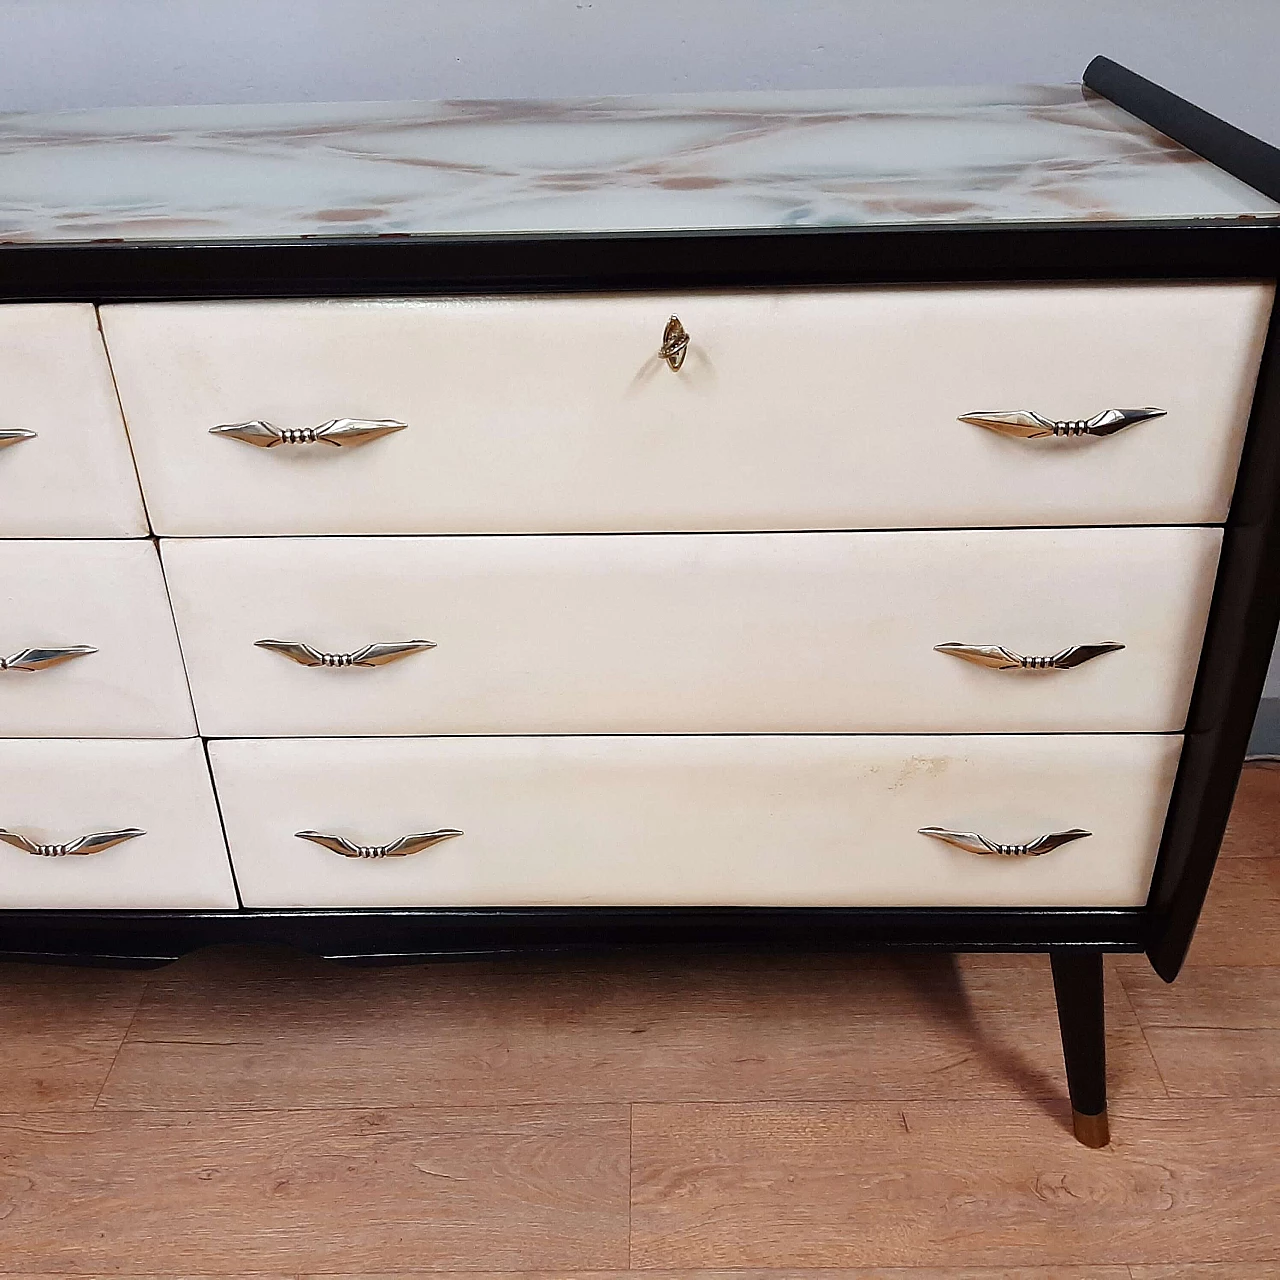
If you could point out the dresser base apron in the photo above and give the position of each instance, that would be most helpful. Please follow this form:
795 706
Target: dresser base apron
147 939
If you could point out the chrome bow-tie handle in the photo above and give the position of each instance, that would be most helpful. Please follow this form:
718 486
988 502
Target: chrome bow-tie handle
675 344
85 845
372 655
1027 425
8 438
972 842
401 848
42 659
997 657
342 433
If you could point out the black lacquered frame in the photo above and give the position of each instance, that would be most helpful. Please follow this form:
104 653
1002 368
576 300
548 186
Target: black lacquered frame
1243 618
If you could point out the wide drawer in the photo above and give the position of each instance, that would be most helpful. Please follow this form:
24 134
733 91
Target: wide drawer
158 794
818 409
87 643
65 465
801 632
736 821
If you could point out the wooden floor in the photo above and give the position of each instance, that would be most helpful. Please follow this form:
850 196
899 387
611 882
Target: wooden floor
256 1113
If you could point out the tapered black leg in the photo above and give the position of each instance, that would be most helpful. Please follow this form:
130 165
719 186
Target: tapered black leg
1077 985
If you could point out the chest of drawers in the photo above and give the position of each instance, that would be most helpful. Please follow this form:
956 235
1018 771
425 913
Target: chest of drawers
635 522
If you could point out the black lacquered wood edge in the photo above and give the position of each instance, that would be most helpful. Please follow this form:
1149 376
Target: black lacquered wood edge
155 937
1246 603
1233 667
403 267
1231 149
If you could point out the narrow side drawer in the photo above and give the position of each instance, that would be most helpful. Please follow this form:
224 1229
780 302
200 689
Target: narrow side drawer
53 793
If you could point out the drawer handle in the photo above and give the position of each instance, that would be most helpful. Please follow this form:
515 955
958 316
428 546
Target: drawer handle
341 432
998 658
971 842
1027 425
675 344
401 848
15 437
372 655
95 843
42 659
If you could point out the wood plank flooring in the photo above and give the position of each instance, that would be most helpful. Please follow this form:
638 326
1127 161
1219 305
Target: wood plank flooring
260 1114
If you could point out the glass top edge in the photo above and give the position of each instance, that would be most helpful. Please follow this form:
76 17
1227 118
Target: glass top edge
989 226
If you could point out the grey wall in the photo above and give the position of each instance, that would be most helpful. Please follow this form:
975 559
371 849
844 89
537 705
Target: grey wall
73 53
58 54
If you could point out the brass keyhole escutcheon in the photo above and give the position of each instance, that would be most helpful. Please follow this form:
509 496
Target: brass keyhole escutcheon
675 344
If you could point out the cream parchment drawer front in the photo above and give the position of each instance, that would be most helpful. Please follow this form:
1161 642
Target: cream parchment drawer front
736 820
696 633
87 643
65 465
829 409
110 824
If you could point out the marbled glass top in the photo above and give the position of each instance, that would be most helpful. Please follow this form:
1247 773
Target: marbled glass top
747 161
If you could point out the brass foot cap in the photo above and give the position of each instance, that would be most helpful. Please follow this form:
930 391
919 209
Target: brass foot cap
1092 1131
